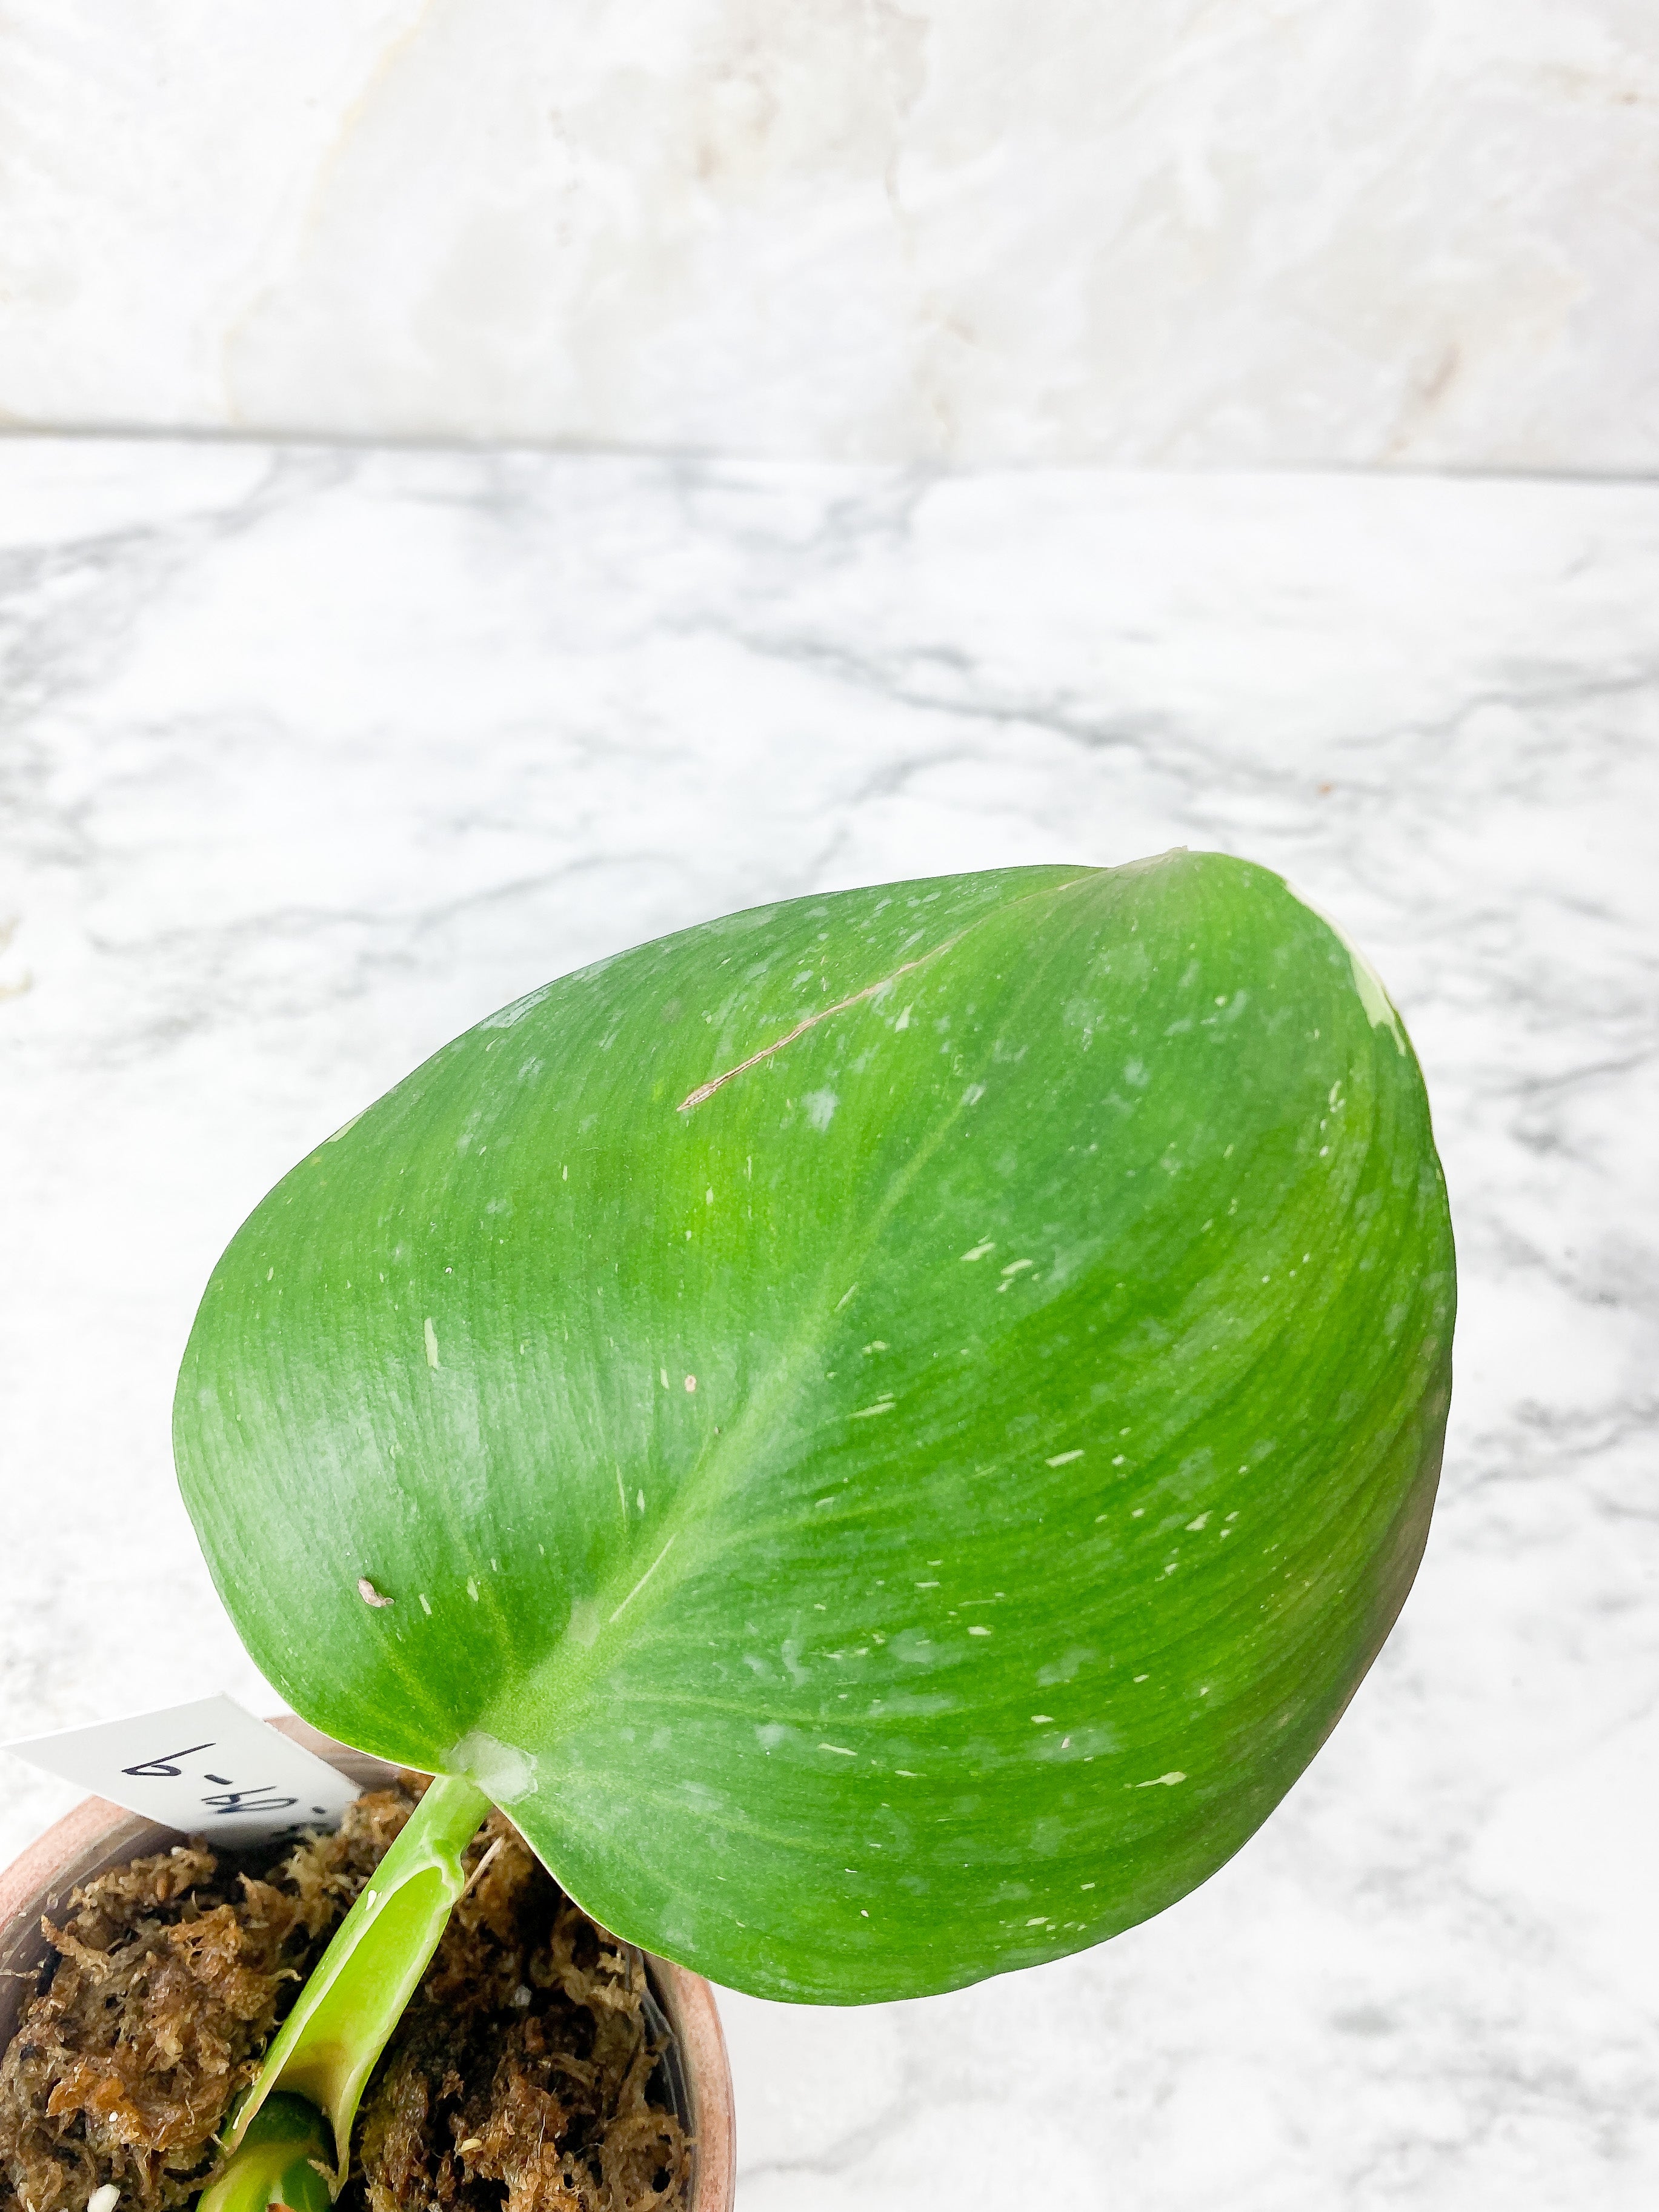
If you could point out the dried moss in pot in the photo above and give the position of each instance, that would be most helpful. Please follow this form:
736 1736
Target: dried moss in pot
171 1976
527 2072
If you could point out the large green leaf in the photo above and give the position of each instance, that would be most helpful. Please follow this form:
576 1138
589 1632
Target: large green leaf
892 1425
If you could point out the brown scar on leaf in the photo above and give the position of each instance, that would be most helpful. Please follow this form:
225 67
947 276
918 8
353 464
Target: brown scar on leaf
708 1089
369 1595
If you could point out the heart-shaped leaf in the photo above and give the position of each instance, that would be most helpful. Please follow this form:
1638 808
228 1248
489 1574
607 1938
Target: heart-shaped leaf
891 1425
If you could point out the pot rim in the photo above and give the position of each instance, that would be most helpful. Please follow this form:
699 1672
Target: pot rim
96 1836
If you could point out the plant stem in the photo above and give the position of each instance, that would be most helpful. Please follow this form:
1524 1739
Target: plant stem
284 2158
326 2048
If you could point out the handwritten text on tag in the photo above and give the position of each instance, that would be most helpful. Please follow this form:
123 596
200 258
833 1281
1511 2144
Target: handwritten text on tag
207 1769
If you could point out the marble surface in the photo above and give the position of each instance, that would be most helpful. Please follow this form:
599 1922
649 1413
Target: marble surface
1187 232
311 758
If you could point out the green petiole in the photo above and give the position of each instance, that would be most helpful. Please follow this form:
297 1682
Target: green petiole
293 2127
286 2157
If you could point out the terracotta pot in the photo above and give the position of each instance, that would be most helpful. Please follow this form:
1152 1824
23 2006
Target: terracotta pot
97 1836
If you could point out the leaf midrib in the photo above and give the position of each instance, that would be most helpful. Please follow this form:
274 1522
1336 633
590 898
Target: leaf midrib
556 1683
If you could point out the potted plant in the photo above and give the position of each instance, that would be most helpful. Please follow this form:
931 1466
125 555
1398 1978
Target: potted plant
99 1840
884 1431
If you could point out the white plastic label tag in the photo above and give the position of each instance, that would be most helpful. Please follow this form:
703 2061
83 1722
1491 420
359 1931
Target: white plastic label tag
207 1769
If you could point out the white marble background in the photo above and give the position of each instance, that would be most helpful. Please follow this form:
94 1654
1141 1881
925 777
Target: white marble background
310 758
1184 232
